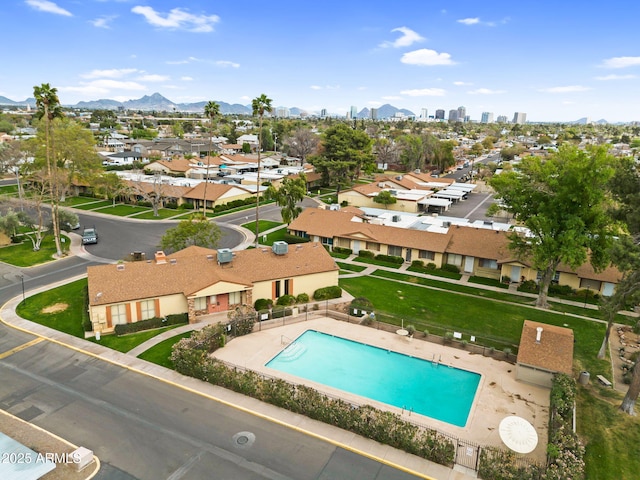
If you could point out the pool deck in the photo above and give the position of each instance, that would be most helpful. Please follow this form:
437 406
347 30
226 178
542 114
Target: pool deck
499 394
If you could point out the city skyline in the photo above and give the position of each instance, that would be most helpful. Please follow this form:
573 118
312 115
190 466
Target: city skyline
556 62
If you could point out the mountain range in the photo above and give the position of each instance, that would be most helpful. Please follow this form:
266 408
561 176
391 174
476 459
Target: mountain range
159 103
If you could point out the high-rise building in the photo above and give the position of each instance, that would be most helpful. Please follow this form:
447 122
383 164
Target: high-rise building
462 113
520 118
323 113
353 113
424 114
282 112
453 115
439 114
501 119
487 117
373 113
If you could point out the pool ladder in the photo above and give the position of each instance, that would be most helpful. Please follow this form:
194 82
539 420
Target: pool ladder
433 359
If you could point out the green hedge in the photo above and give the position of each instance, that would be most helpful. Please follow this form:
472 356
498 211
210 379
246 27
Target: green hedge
366 254
327 293
263 304
384 427
292 239
286 300
346 251
155 322
390 259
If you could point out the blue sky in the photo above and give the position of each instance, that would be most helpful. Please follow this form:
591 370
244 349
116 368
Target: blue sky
554 60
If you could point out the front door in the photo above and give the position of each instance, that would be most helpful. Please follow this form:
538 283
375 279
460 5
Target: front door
515 273
468 264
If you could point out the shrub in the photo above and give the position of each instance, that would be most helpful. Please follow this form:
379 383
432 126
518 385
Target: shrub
280 311
528 286
447 267
366 254
431 266
347 251
411 329
507 351
171 205
362 303
556 289
263 304
327 293
505 279
390 259
425 332
185 206
302 298
293 239
417 264
155 322
286 300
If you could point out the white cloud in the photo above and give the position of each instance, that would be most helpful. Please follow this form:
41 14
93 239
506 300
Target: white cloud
226 63
621 62
186 79
409 37
184 62
103 22
102 87
424 92
49 7
177 19
245 98
374 103
111 73
462 84
427 57
391 97
315 87
153 78
616 77
567 89
484 91
469 21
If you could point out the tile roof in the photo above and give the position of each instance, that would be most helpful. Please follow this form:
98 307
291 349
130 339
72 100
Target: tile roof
192 270
215 191
479 242
554 352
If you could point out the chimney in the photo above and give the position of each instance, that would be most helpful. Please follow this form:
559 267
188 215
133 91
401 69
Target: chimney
538 334
160 257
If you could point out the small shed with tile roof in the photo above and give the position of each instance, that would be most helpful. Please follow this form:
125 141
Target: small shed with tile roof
544 350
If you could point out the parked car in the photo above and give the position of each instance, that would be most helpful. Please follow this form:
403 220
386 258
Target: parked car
89 235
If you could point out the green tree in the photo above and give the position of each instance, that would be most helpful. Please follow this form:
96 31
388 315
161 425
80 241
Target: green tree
260 106
49 108
287 196
9 223
196 230
385 198
211 111
562 203
109 185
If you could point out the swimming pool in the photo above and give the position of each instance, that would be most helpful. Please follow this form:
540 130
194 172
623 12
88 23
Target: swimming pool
425 387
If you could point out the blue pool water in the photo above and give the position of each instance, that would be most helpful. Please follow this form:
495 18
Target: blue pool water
437 391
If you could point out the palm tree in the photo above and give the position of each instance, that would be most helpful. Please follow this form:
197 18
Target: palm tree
260 105
211 110
48 107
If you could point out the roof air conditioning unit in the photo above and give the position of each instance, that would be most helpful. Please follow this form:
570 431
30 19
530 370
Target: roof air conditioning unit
446 224
395 218
225 255
280 248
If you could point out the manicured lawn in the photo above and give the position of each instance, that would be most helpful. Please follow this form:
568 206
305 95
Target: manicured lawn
492 282
61 308
162 214
22 254
9 190
277 236
612 438
122 210
75 201
380 263
436 272
94 205
160 353
339 255
350 267
263 225
124 343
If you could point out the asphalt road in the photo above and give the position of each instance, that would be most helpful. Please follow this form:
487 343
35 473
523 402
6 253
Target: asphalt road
142 428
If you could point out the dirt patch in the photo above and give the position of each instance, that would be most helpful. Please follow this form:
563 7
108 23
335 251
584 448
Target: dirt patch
55 308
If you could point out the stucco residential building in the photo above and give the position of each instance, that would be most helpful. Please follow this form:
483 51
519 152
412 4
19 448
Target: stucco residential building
201 281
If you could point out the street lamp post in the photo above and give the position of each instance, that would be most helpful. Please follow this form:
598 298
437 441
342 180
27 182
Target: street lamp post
24 299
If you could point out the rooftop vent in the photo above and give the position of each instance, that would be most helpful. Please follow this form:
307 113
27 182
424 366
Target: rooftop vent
120 267
280 247
173 261
395 218
210 257
446 224
538 334
225 255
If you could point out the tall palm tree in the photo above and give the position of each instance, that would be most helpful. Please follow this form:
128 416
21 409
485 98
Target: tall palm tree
260 105
211 111
48 107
